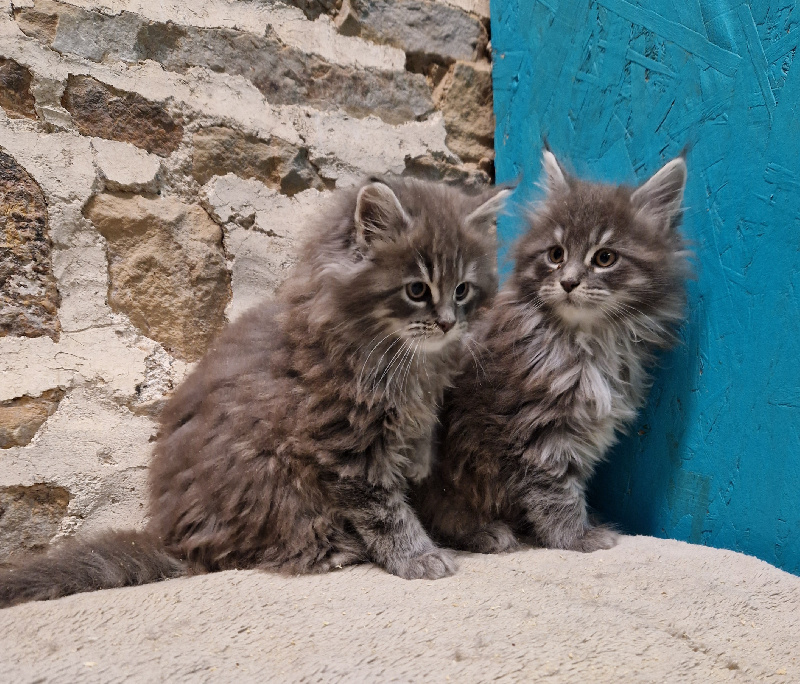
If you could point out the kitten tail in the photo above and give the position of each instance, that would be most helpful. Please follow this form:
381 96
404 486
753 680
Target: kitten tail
109 560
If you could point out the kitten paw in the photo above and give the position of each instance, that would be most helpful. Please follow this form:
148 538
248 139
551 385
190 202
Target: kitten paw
596 538
434 564
496 537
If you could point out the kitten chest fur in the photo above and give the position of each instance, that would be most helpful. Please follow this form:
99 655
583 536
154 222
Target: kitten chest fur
578 386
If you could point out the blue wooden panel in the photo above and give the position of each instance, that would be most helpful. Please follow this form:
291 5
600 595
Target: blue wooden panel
618 88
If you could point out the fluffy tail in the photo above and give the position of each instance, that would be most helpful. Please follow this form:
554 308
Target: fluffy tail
112 559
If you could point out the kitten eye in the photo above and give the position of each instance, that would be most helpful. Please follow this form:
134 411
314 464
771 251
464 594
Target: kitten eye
556 255
461 292
417 290
604 258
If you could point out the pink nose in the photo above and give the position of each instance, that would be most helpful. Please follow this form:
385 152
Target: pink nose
570 285
445 325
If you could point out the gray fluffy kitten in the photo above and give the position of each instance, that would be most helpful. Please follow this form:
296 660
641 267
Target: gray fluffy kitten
597 287
291 445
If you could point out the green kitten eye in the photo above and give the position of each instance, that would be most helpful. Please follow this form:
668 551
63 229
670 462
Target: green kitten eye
417 290
556 255
604 258
462 290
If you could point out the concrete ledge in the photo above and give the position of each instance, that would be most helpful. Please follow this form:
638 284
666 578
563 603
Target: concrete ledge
648 610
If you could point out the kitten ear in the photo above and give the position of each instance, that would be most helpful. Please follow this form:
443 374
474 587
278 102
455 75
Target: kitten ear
483 218
555 178
378 211
660 197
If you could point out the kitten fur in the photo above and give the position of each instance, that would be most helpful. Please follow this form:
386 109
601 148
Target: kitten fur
563 365
291 445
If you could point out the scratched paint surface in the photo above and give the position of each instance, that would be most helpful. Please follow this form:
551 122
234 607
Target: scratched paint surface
619 88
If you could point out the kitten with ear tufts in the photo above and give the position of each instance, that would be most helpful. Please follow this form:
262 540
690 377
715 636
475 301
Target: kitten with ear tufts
291 445
597 288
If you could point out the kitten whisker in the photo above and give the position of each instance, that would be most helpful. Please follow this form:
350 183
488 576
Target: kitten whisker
398 371
364 365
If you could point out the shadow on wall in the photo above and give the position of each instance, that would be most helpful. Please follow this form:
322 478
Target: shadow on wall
619 87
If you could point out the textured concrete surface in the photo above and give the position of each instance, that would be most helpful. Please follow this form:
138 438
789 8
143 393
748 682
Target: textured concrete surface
648 610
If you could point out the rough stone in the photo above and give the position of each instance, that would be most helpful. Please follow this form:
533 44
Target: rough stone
438 167
15 90
30 517
465 98
314 8
157 384
290 24
427 31
275 162
346 149
479 8
287 76
282 73
22 417
28 294
95 448
124 167
40 21
263 229
110 356
167 268
100 110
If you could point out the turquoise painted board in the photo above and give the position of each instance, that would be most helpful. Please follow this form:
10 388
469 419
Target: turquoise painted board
618 88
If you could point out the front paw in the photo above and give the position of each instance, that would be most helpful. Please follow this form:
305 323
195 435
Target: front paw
595 539
433 564
496 537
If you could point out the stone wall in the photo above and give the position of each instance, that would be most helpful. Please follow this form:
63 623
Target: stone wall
158 161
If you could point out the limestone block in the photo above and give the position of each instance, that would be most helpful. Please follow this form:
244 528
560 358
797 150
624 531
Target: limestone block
465 98
21 417
28 294
39 20
263 231
82 273
440 167
479 8
274 162
100 110
30 517
167 268
125 167
61 163
286 75
15 90
314 8
346 149
113 357
427 31
290 24
96 450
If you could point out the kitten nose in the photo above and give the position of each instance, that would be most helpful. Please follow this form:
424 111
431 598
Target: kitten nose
445 324
569 285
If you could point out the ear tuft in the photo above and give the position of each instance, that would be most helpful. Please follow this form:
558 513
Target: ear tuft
555 179
483 218
378 213
660 197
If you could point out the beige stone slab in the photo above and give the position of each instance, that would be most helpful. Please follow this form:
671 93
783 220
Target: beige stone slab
111 355
479 8
263 230
98 451
125 167
648 610
291 25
